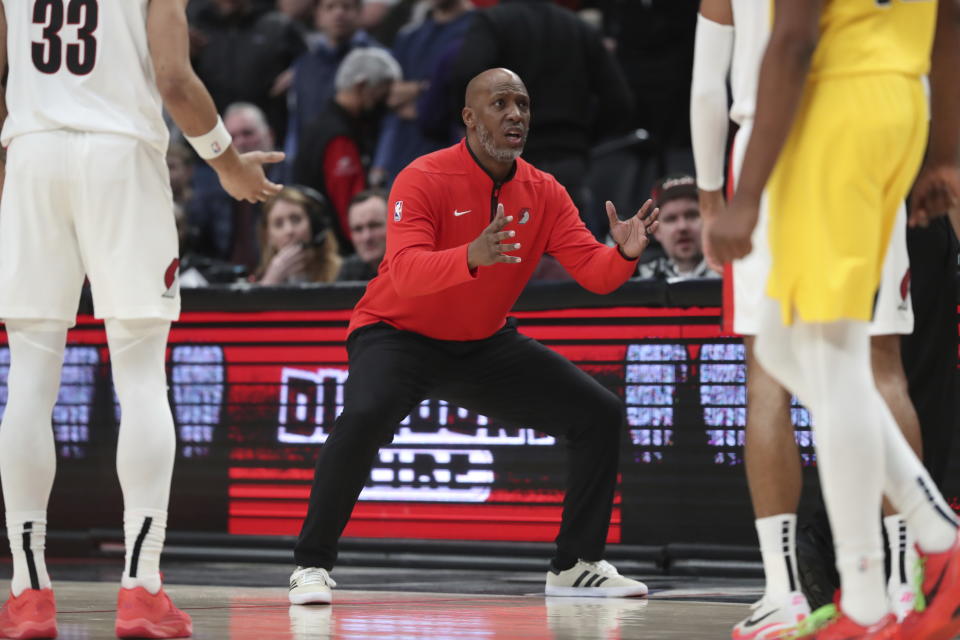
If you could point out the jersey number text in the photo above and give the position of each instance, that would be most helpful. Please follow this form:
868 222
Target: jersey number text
49 53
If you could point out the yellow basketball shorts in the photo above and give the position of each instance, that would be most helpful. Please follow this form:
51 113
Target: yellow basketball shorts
849 160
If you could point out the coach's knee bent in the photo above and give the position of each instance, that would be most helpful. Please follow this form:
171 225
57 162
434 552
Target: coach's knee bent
601 418
363 427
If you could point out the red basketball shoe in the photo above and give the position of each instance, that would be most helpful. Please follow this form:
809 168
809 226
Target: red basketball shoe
32 614
141 614
830 623
937 614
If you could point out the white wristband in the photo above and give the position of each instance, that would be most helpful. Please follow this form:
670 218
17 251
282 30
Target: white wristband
212 143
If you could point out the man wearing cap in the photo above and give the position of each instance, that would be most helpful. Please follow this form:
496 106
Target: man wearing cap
679 232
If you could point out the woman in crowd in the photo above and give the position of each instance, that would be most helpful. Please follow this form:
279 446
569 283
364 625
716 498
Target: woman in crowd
296 243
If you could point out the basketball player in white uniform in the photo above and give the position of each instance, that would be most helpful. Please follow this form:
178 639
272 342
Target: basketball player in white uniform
731 39
87 193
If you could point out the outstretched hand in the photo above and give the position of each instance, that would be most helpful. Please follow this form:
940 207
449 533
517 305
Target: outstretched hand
489 247
242 175
633 235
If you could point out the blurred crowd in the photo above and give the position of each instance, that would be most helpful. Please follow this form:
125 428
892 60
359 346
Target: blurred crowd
353 90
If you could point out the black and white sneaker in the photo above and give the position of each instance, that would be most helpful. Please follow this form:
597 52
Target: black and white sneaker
311 585
592 579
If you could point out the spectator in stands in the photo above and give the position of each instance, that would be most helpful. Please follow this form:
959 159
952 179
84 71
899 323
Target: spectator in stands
398 16
368 231
300 13
249 128
578 89
337 22
417 49
296 243
678 233
374 11
241 50
336 148
180 166
654 45
226 228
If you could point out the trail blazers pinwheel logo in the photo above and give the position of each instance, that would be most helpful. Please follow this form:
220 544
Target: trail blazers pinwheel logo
170 278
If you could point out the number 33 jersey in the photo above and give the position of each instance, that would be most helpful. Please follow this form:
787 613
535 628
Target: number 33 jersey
81 65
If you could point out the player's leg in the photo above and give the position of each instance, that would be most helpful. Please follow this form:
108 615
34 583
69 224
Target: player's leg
771 455
40 280
27 468
838 389
517 380
27 449
390 373
893 318
772 462
146 446
127 238
892 384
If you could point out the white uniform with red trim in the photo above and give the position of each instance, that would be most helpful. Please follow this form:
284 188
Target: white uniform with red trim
87 190
893 312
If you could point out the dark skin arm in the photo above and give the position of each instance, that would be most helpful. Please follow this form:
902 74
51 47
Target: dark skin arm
191 106
937 190
783 73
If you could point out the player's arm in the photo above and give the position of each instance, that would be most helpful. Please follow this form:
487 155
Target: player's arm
937 190
3 90
709 113
191 107
796 30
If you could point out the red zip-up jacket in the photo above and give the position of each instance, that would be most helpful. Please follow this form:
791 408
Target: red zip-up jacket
438 205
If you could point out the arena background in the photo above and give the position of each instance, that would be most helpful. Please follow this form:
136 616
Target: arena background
255 392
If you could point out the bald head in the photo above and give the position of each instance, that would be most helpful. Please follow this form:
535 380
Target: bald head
497 116
492 81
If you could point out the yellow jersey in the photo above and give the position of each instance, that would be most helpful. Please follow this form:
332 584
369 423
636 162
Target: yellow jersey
875 36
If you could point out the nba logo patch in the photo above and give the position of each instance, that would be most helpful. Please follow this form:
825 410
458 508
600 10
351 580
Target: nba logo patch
397 210
524 216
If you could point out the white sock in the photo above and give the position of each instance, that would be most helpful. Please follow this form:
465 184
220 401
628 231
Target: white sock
143 533
27 532
778 548
910 489
903 553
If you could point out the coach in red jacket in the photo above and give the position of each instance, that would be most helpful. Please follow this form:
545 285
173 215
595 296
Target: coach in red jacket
467 226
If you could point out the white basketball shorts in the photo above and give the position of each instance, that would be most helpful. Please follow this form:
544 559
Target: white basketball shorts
93 204
893 312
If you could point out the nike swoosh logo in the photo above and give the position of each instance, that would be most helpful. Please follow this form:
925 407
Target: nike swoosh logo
750 623
461 213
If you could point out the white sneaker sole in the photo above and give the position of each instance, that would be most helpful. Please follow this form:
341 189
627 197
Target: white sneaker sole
311 597
596 592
